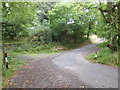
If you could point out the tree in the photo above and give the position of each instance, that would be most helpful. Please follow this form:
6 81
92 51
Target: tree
68 22
17 17
110 12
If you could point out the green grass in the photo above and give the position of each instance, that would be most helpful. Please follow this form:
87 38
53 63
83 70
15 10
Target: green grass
0 58
11 41
0 69
105 56
14 64
32 49
28 48
77 45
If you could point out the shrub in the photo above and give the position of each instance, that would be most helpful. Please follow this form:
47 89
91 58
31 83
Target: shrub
105 56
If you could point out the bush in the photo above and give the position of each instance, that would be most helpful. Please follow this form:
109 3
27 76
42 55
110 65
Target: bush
14 64
105 56
103 44
35 48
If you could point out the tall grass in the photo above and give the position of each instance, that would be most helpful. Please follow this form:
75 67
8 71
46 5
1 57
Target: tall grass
28 48
14 64
53 47
0 70
105 56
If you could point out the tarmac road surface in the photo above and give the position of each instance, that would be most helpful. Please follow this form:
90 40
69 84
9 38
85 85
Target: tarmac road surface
65 70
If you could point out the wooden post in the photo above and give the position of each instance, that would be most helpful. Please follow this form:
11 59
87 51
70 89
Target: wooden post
6 60
96 55
3 50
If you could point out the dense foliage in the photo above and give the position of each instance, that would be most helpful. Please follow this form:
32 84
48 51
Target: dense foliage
17 17
50 27
66 22
105 56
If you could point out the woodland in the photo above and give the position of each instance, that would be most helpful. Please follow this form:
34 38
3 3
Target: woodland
36 27
67 22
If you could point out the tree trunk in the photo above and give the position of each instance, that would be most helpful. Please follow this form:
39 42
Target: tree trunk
113 43
53 38
3 51
88 33
118 25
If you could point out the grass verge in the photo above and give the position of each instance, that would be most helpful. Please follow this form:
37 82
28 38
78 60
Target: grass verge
50 48
0 69
9 41
14 64
105 56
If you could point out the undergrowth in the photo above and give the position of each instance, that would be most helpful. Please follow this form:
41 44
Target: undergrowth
105 56
54 47
0 69
14 64
28 48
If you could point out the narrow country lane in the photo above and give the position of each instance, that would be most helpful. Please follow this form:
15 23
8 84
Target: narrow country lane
66 70
95 75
